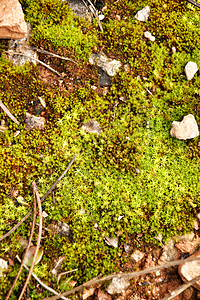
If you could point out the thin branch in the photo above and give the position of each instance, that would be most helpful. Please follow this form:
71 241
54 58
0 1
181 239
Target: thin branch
64 273
42 199
124 275
8 112
52 54
194 3
39 61
35 195
42 283
181 289
29 244
94 11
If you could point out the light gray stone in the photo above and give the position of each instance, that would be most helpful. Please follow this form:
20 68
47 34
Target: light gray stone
190 70
170 253
92 126
111 241
191 270
118 285
149 36
186 129
80 9
3 266
12 24
110 66
143 14
21 46
33 122
137 255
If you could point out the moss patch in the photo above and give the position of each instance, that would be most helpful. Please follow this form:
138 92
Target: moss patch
134 169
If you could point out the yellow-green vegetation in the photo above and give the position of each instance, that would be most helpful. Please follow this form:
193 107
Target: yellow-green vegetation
134 168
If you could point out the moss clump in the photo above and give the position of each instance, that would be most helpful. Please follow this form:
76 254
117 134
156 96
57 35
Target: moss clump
55 26
133 177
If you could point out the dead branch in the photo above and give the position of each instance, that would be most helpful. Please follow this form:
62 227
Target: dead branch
37 60
181 288
29 244
52 54
123 275
42 283
37 197
42 199
94 11
8 112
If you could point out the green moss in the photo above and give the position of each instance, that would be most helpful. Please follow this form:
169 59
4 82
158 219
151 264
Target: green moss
134 168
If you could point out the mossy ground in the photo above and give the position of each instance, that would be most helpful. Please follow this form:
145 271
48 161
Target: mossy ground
135 115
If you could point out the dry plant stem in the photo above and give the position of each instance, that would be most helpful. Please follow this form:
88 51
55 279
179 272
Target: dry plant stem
94 11
194 3
35 195
181 289
28 246
123 275
52 54
64 273
37 60
42 199
8 113
41 283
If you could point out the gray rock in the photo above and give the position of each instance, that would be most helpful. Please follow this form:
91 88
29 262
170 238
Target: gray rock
111 241
186 129
12 24
190 70
110 66
3 266
149 36
137 255
126 248
170 252
92 126
118 285
21 46
80 9
143 14
33 122
104 79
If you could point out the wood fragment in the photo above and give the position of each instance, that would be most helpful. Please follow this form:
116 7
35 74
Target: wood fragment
37 60
123 275
8 112
37 197
25 254
42 283
181 289
42 199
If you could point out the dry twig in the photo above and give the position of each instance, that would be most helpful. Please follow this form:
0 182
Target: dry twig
29 244
42 283
37 60
35 195
8 113
94 11
52 54
42 199
181 288
123 275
